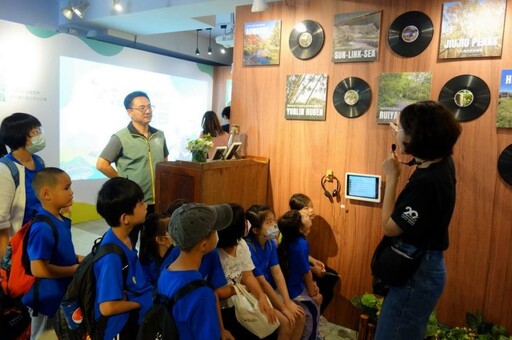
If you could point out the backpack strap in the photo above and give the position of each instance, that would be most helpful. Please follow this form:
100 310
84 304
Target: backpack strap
14 170
102 250
189 287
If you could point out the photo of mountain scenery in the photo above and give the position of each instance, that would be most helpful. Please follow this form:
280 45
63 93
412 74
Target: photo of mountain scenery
262 42
356 36
504 113
472 29
397 90
306 96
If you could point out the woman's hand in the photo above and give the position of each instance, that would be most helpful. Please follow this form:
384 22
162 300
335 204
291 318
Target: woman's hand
391 166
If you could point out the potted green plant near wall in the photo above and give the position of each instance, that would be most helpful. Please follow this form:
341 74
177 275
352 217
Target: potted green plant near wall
370 306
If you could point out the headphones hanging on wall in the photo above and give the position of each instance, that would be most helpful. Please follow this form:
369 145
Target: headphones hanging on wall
335 192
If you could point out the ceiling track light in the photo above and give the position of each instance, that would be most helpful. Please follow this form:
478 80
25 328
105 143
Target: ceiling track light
80 8
67 12
259 5
117 5
210 42
197 41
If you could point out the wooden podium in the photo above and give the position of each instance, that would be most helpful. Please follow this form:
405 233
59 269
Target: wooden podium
242 181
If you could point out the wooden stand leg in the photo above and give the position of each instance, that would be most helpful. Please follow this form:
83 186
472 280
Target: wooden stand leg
363 327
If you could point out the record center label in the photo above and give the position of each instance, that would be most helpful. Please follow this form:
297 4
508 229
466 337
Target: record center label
355 54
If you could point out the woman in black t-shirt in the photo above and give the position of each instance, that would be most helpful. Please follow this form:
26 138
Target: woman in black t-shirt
419 217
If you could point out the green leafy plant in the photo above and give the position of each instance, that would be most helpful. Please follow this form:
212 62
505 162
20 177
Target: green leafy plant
370 304
477 329
203 144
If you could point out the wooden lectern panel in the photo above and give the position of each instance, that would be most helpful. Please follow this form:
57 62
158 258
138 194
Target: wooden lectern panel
242 181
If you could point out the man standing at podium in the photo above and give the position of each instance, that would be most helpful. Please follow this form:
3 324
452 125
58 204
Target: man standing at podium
135 150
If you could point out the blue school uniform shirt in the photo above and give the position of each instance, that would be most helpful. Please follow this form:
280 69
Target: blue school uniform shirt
210 268
109 285
40 247
263 259
195 314
298 266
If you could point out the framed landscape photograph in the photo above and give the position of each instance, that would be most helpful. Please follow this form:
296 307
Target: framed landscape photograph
262 42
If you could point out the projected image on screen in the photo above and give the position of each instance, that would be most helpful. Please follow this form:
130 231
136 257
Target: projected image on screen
362 187
91 110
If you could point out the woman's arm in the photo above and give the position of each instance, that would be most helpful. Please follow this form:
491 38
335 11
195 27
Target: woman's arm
391 169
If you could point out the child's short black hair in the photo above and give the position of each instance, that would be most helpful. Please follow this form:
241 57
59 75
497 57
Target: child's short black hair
299 201
116 197
257 214
229 237
46 176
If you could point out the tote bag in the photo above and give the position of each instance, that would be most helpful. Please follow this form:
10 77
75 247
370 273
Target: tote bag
249 315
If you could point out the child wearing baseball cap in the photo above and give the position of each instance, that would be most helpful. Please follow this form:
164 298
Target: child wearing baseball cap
193 228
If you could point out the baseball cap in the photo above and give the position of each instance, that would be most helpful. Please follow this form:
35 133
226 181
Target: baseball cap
192 222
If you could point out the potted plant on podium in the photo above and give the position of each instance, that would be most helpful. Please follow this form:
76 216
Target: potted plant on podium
199 147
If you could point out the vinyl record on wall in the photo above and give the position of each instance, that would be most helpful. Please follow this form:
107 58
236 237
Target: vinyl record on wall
505 164
306 39
352 97
410 34
467 96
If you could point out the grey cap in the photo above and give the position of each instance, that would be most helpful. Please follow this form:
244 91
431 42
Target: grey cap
192 222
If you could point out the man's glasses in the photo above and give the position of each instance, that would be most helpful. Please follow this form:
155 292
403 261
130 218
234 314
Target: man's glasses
143 108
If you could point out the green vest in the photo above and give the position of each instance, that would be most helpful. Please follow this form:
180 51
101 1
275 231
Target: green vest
139 158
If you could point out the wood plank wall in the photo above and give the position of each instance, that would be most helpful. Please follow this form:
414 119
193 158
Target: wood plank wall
479 260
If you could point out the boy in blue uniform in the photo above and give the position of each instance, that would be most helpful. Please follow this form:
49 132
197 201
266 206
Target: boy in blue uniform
193 228
121 204
52 265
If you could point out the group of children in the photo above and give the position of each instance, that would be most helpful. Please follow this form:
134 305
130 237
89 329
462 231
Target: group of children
221 244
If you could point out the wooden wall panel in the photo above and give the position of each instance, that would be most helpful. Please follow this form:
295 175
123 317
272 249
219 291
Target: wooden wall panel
479 259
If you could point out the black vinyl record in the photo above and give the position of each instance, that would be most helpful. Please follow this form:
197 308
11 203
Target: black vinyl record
352 97
410 33
306 39
467 96
505 164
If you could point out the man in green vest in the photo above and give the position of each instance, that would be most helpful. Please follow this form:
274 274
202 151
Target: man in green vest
136 149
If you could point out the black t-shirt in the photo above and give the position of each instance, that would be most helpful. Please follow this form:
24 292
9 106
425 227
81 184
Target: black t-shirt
424 208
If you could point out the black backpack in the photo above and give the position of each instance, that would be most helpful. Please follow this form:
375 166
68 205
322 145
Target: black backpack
81 294
158 323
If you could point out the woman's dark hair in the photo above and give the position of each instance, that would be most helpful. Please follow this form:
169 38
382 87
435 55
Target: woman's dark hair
116 197
226 112
175 205
211 124
299 201
289 225
229 237
154 226
432 130
3 150
15 129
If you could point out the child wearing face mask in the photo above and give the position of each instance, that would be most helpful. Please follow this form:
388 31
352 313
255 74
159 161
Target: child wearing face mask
261 234
293 253
155 245
23 134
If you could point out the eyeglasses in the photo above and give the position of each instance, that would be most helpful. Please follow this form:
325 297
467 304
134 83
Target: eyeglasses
394 127
143 108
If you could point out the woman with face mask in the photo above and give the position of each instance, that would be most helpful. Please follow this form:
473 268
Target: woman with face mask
23 134
261 235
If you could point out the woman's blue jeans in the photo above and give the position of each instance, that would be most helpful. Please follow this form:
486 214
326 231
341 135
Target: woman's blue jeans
406 309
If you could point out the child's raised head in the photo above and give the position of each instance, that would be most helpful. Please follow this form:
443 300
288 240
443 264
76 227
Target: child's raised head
175 205
52 187
303 204
195 225
262 223
230 236
293 225
154 238
121 202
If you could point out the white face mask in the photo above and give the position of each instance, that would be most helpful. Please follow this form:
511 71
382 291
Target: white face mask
38 143
247 228
272 233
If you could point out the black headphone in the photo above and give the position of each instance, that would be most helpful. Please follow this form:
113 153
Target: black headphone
336 191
